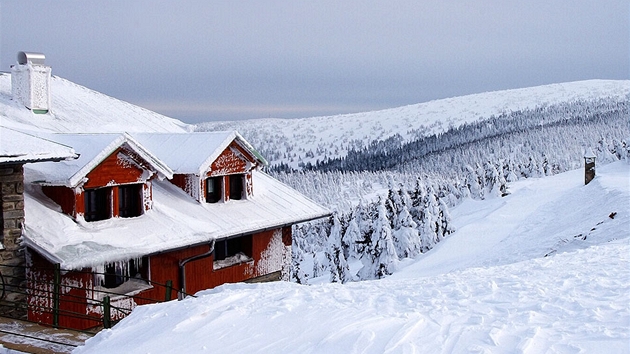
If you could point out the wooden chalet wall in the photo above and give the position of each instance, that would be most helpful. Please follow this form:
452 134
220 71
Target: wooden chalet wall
73 304
63 196
77 309
230 162
200 274
190 184
117 168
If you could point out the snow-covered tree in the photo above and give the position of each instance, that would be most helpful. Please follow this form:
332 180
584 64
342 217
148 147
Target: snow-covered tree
406 238
337 265
352 239
297 259
472 183
380 259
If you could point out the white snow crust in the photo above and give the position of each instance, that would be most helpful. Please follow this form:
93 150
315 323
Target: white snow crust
176 220
77 109
17 146
543 270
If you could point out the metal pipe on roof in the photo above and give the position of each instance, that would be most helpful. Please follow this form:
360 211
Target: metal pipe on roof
32 57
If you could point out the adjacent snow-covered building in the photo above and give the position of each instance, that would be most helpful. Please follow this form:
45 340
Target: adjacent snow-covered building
145 203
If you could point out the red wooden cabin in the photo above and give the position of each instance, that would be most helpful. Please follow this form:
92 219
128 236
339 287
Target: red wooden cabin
139 210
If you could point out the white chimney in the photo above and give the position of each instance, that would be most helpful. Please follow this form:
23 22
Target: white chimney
30 82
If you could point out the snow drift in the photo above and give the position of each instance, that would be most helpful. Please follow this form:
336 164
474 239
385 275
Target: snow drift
543 269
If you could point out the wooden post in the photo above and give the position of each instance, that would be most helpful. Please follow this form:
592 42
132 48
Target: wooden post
107 319
56 294
589 166
169 290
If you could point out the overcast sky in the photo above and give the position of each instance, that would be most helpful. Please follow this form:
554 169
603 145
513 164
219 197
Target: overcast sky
224 60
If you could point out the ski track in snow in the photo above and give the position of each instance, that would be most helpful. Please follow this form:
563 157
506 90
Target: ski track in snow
488 288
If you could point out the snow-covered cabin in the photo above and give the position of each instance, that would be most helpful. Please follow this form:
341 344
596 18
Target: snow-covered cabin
146 203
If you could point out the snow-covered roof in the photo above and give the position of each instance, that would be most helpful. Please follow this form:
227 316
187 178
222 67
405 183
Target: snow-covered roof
175 221
193 153
95 125
93 149
19 147
77 109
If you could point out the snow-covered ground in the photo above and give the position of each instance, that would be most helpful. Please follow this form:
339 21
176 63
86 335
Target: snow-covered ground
545 269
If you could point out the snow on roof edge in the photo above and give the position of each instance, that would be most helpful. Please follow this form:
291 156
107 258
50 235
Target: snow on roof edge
41 154
233 136
155 162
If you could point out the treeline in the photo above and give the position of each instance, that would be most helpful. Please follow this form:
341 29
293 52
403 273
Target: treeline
380 230
393 152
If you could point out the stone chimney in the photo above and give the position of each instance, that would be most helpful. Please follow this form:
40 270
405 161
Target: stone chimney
30 82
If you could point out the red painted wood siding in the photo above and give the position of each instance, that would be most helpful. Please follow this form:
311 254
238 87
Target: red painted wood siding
77 286
73 306
63 196
111 171
200 274
114 170
229 163
186 183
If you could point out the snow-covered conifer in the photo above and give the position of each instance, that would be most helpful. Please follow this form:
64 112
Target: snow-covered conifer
406 238
381 258
352 238
472 182
297 259
337 265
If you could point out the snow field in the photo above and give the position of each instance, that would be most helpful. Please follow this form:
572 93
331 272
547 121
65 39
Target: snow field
564 303
487 288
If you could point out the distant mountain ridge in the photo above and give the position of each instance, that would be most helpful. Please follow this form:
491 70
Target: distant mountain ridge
297 142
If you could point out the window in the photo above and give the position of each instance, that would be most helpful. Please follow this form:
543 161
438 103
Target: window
119 273
232 251
214 189
130 200
98 205
236 187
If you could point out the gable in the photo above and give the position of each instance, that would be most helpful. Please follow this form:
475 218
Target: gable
121 167
233 159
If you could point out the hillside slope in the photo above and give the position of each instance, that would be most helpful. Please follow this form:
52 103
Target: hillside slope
544 269
294 141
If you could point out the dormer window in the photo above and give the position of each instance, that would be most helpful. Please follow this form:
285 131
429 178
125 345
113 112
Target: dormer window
98 204
236 186
214 189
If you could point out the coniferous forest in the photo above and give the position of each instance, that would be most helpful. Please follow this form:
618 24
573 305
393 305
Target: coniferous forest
391 197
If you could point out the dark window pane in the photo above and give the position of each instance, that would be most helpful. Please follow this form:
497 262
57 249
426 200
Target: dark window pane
129 200
220 250
230 247
118 273
113 276
97 204
236 187
214 189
